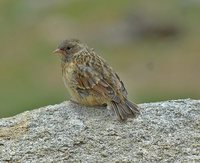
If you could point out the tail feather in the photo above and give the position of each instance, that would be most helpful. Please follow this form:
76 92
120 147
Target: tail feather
125 110
133 107
118 111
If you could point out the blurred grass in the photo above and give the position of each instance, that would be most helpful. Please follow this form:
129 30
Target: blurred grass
153 69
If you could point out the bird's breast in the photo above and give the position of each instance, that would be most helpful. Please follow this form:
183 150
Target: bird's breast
67 74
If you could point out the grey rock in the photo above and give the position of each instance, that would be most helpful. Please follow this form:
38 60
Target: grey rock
166 131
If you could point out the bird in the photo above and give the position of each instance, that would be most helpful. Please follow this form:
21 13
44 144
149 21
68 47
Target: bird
91 81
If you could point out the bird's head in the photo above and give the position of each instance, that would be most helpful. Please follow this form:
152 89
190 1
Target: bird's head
67 48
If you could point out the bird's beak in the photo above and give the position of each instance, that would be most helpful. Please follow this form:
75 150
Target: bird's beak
58 51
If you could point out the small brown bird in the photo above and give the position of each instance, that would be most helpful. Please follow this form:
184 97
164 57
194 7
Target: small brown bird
91 81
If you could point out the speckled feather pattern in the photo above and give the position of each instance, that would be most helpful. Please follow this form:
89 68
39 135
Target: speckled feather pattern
91 81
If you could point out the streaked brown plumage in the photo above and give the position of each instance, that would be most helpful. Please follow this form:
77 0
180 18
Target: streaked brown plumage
91 81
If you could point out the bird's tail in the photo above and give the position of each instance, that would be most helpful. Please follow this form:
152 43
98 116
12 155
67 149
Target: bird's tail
125 110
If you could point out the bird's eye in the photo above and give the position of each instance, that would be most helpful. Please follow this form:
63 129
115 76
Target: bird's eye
68 48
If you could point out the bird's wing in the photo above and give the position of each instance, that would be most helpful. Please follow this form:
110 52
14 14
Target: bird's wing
99 79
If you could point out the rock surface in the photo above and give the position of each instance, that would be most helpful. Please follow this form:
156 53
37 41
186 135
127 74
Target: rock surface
166 131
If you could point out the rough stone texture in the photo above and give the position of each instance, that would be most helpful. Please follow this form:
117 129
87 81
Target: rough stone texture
166 131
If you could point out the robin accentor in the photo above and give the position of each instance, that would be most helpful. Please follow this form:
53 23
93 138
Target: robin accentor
91 81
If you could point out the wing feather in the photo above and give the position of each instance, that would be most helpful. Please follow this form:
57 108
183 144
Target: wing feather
97 77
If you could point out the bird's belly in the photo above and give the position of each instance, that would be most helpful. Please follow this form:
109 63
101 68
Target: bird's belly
84 99
91 100
87 100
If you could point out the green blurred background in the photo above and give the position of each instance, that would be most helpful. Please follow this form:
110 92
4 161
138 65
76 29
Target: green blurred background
153 45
